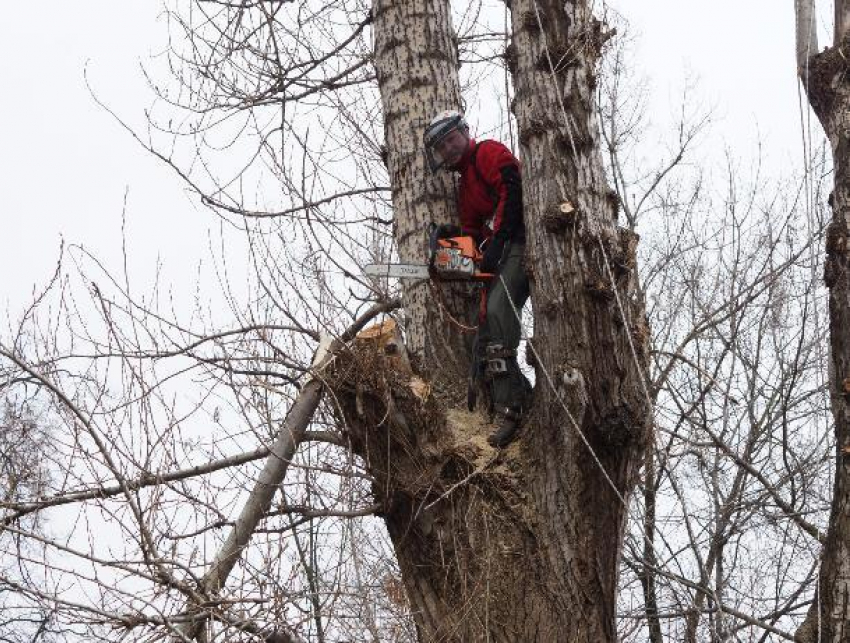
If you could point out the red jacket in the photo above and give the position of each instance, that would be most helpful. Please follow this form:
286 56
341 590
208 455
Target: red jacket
490 199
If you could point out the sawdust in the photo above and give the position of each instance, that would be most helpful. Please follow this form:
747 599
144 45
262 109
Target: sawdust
469 431
421 389
433 429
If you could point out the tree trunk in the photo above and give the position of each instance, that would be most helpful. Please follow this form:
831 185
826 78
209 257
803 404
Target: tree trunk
829 94
522 545
590 334
416 66
807 35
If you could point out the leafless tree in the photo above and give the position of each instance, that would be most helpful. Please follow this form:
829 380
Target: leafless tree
249 464
824 76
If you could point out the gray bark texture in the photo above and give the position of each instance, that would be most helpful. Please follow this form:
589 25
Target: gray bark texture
828 89
416 65
523 544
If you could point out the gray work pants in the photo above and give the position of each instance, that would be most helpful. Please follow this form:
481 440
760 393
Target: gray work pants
502 326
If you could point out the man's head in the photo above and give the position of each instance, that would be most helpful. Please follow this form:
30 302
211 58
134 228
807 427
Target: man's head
446 140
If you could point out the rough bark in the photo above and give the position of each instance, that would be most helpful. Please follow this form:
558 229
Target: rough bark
590 328
416 66
828 91
523 545
460 519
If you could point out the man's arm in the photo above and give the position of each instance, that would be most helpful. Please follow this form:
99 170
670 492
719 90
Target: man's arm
500 169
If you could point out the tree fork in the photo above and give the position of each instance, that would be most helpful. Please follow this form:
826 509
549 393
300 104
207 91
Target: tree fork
523 544
458 512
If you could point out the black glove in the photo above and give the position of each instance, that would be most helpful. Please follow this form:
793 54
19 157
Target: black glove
445 230
492 258
437 232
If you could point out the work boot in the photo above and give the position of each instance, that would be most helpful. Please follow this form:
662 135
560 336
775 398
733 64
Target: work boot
507 427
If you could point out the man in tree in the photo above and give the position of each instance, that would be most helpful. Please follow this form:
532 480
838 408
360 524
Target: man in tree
490 209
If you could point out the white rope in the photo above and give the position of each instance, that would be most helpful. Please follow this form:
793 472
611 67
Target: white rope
560 399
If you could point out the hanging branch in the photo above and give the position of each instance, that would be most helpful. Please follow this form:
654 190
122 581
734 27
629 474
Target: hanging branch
289 438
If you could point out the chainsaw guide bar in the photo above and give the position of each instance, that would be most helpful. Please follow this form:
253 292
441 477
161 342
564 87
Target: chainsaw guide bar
397 270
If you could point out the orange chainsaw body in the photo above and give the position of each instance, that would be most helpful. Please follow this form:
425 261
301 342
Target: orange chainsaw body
457 258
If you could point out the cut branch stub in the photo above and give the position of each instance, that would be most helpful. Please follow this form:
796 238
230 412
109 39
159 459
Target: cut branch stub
386 338
558 218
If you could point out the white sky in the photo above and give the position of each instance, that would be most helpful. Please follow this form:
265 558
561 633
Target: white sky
65 164
742 52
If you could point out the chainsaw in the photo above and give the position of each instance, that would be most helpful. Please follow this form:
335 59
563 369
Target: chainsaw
450 258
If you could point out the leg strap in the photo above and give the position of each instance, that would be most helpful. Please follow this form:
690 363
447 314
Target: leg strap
495 356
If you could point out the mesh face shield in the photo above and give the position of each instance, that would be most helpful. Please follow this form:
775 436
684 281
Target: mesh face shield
439 128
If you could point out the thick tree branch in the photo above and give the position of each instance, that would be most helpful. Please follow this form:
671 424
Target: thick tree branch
807 36
290 437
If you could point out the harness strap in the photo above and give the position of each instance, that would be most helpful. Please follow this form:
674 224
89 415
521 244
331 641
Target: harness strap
497 350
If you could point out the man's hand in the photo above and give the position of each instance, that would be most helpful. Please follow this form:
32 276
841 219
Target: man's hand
445 230
493 253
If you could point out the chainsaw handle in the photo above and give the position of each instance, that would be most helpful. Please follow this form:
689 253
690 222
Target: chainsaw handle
437 232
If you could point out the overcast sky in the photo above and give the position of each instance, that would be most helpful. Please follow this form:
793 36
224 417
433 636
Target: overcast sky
66 166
